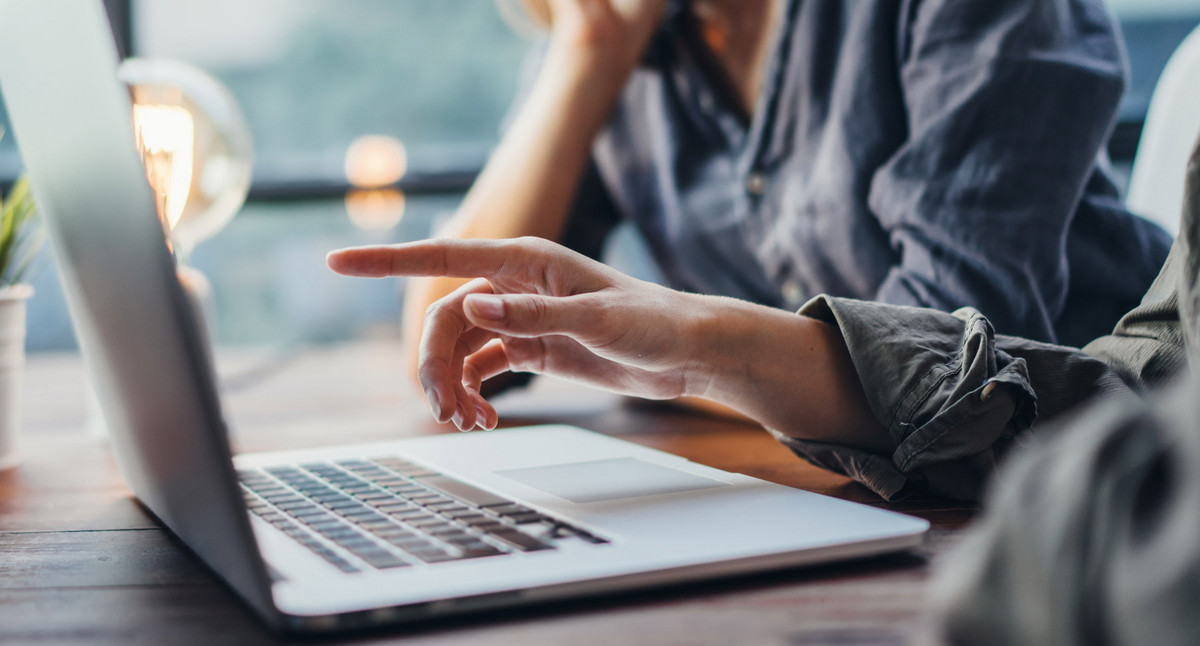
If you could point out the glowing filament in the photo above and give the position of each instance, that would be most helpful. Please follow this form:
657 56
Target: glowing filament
166 141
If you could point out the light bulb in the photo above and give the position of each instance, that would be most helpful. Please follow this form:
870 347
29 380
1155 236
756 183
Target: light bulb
195 144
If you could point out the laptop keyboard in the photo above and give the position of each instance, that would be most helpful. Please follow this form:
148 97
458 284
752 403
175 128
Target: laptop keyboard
392 513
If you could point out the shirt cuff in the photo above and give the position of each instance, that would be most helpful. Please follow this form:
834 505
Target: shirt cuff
950 400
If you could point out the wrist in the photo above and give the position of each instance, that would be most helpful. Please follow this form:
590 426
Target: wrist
742 350
594 69
715 342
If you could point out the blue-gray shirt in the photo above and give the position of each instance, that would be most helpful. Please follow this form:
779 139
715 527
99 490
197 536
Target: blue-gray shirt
938 153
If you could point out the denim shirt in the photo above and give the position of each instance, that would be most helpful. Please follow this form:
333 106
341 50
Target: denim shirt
934 153
955 398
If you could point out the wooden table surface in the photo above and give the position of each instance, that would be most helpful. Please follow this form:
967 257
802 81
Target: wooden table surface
82 563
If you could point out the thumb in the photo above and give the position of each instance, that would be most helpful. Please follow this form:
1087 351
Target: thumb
530 315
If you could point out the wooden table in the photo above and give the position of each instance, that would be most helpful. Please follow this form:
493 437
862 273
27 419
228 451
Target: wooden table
83 563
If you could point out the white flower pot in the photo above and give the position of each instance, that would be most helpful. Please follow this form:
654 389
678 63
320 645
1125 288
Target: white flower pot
12 362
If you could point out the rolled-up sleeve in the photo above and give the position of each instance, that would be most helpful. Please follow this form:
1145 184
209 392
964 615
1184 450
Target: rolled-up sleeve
953 396
1008 105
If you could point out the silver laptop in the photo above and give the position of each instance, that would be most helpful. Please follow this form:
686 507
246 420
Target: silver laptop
358 535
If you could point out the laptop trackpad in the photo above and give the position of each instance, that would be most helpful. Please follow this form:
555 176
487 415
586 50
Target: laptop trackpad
613 479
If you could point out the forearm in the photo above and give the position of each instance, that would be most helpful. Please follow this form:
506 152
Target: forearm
528 184
790 373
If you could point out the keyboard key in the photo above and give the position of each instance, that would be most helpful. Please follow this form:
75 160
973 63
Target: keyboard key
447 506
298 504
521 541
488 525
432 555
382 559
465 514
450 535
393 505
355 543
391 530
311 511
410 515
477 551
410 543
509 509
368 517
336 534
463 491
430 521
281 499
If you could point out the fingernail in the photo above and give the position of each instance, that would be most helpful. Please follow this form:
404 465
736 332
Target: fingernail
460 417
435 404
480 417
486 306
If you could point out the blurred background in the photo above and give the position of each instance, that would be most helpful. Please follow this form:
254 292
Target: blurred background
431 79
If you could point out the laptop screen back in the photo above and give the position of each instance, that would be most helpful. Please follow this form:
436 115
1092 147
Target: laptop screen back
73 125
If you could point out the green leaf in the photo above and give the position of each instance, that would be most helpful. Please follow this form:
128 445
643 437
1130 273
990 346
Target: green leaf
21 235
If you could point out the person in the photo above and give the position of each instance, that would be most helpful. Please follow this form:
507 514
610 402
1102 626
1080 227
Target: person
1091 535
932 153
905 400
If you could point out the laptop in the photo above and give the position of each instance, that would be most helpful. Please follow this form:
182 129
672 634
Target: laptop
355 536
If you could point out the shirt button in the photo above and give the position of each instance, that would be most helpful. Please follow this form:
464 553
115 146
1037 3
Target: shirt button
706 102
793 293
756 184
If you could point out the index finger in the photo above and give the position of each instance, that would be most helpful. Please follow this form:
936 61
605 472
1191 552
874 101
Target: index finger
449 258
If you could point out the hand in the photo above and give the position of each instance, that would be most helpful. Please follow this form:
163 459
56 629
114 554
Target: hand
535 307
614 31
539 307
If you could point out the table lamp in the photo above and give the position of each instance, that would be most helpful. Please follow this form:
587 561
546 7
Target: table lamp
198 154
199 158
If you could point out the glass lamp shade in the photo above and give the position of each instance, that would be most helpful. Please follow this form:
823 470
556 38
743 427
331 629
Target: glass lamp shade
195 144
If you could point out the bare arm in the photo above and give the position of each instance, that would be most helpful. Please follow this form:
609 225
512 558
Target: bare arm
528 184
560 313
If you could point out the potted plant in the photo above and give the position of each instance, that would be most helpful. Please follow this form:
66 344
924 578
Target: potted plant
21 236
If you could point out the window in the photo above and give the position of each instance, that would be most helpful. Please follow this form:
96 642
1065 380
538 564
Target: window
437 75
1153 29
311 77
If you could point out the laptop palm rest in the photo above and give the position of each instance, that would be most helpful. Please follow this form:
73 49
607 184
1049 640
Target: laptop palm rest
613 479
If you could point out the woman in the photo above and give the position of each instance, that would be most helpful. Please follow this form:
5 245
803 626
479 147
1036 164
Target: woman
1091 536
935 153
902 399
